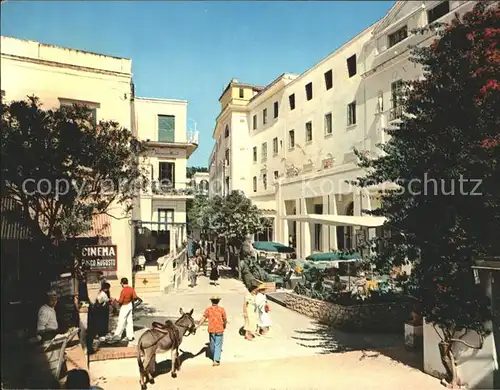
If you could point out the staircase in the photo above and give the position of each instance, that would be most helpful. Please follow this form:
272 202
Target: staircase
147 281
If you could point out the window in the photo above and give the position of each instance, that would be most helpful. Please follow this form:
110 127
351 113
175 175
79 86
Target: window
398 36
276 175
166 128
276 109
255 122
309 91
264 116
255 184
68 102
318 228
275 146
351 65
396 110
328 124
255 154
351 114
166 215
438 11
329 80
396 89
227 156
309 132
167 173
263 156
226 131
264 180
291 139
242 93
2 94
291 100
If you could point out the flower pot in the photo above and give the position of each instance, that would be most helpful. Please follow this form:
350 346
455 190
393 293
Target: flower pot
414 335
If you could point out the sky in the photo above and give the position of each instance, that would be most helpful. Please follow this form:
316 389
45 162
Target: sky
192 49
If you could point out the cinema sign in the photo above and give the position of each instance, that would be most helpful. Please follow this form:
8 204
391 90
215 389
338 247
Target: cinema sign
100 257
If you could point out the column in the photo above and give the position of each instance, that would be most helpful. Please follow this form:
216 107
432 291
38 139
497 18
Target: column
298 232
329 232
305 230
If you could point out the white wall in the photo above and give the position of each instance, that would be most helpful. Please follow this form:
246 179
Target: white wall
475 367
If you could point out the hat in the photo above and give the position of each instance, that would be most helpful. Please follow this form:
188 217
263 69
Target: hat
215 298
261 286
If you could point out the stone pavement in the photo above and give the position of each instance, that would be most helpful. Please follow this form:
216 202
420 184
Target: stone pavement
292 336
335 371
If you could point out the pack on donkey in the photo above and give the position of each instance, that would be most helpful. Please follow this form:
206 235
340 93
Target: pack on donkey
162 337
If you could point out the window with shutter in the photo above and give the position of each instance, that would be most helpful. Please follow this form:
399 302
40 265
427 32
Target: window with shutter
166 128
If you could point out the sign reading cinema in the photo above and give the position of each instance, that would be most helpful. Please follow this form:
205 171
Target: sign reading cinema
100 257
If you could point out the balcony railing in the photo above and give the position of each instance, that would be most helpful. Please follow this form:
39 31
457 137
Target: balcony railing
395 113
166 188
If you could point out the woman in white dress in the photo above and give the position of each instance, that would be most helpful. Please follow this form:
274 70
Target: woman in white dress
262 309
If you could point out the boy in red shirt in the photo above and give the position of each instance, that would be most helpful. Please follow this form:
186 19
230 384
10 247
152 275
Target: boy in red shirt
217 321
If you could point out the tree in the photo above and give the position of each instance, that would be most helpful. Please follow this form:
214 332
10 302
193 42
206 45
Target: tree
450 133
190 171
198 212
62 168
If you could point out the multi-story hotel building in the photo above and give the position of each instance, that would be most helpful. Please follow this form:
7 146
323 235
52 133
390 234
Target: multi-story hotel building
289 145
60 76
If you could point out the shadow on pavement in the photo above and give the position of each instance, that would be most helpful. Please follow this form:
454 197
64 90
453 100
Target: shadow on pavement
330 340
165 366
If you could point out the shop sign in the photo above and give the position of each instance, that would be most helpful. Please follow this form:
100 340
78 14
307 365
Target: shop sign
100 257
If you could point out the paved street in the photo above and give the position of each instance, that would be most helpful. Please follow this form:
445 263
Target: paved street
294 340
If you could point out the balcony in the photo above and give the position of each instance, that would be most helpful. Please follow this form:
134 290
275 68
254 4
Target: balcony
173 148
166 189
395 113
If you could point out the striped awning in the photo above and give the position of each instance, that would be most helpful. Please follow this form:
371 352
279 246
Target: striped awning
101 227
12 225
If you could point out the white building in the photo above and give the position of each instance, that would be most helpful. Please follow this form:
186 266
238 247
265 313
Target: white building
200 183
289 145
161 209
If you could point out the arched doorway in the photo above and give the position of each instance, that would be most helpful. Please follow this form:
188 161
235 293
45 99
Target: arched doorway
345 234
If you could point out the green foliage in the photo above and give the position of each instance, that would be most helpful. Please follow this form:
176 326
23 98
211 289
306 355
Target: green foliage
450 133
198 212
96 165
252 274
234 217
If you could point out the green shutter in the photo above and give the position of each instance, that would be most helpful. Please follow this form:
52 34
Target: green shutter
166 128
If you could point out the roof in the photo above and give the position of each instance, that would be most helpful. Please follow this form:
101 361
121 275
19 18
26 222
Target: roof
234 83
101 227
12 225
492 264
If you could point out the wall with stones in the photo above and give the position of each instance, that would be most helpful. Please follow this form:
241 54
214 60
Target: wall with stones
382 317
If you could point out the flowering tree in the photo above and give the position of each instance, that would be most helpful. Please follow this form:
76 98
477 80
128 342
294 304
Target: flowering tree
449 136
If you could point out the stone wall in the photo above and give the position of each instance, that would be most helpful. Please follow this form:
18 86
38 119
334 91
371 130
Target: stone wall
382 317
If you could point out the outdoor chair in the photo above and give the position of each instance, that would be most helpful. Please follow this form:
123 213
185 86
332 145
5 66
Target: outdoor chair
56 365
287 280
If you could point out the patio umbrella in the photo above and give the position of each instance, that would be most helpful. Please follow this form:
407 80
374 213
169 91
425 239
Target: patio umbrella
269 246
327 256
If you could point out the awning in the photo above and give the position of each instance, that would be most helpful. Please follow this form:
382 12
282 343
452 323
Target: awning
338 220
101 227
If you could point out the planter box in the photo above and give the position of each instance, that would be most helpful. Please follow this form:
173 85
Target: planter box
414 336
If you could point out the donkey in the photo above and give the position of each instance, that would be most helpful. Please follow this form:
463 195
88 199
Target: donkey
162 337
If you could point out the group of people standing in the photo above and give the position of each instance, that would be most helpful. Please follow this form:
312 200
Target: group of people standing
256 313
201 261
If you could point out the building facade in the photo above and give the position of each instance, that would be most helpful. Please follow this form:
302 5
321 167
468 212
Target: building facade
63 76
293 140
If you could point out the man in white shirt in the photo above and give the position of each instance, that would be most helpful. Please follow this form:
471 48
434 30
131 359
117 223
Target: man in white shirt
47 326
193 272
